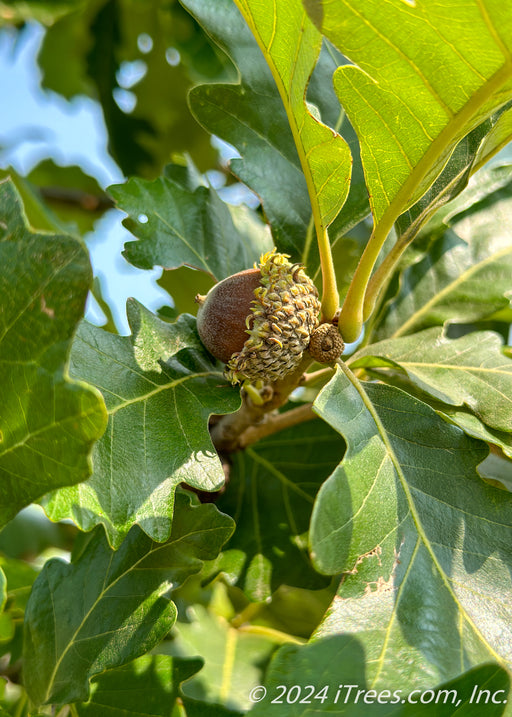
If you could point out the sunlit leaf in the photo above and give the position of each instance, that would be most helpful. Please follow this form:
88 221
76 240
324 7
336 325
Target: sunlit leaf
411 102
475 148
159 398
471 371
324 155
251 117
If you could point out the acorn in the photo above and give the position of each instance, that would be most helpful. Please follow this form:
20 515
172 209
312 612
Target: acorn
326 344
259 322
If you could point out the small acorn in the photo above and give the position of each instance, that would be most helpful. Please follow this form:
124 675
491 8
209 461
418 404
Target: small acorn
326 344
259 321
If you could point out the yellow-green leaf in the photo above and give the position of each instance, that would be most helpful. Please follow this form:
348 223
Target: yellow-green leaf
291 45
425 75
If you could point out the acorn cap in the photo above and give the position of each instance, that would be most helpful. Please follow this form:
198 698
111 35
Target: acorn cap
273 308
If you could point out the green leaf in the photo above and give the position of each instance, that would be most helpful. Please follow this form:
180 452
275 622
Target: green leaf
74 196
3 590
471 371
159 398
324 155
234 659
497 470
250 115
48 423
19 576
321 95
188 225
326 666
473 149
69 37
183 285
46 12
147 687
424 77
271 492
464 278
471 425
497 138
38 216
31 533
15 585
107 607
482 690
424 542
488 185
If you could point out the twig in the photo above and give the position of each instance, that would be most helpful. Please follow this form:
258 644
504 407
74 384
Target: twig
226 433
315 376
84 200
276 422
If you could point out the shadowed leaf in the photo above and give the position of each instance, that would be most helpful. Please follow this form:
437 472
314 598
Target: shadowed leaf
116 605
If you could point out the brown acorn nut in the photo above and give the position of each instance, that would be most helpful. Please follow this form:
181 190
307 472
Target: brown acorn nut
222 313
259 322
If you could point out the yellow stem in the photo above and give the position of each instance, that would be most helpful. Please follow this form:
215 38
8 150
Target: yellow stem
330 296
379 279
351 319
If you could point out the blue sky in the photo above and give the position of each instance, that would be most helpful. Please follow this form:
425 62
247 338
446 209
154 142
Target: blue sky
36 124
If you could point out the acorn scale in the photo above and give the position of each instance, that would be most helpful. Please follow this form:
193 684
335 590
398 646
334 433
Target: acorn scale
259 321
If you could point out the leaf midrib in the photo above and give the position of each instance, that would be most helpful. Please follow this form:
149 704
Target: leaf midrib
293 487
454 124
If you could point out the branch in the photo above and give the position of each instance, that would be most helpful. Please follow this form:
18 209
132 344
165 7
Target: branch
226 433
76 197
314 376
276 422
